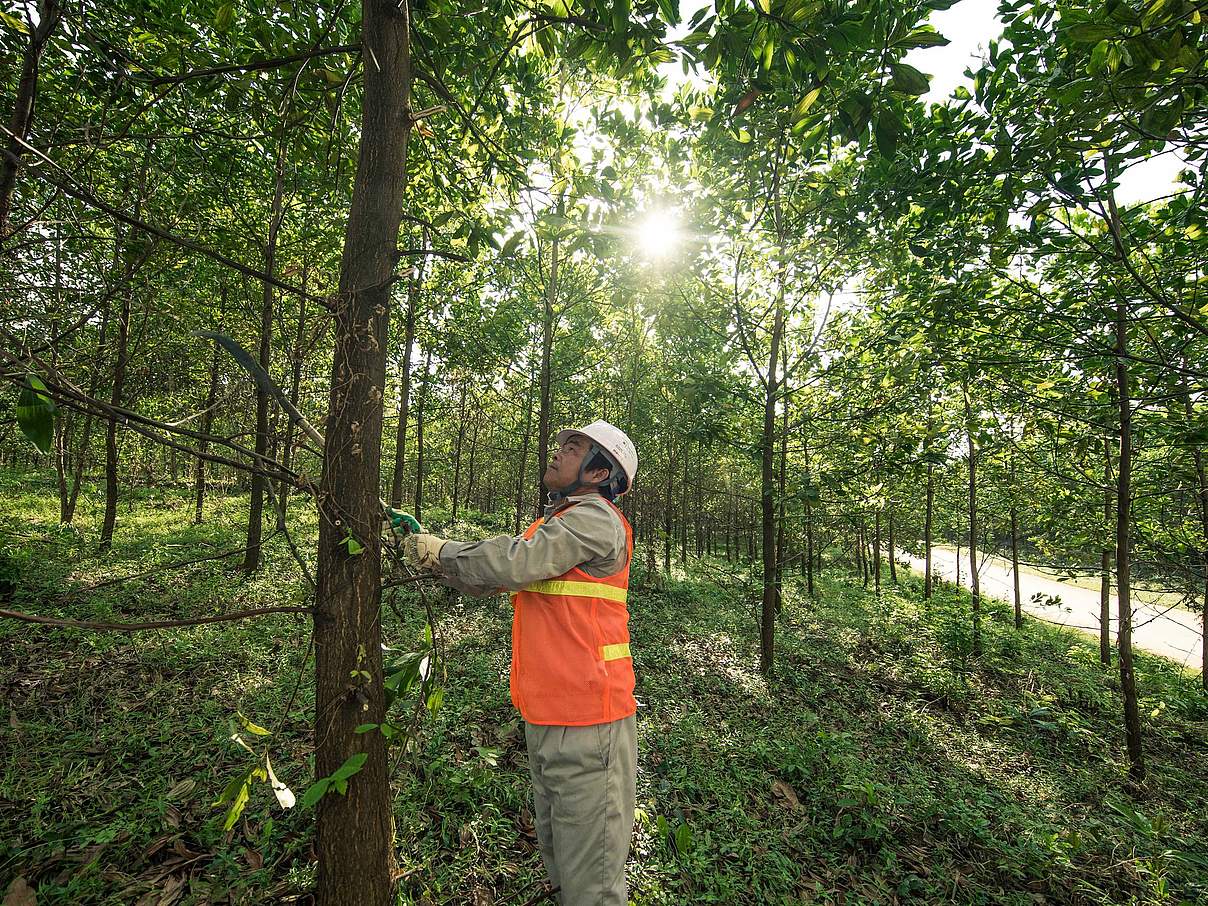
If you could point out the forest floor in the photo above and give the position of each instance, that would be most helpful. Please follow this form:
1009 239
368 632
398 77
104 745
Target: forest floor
881 763
1162 623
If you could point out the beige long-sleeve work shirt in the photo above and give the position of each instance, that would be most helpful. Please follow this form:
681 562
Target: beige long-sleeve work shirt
588 534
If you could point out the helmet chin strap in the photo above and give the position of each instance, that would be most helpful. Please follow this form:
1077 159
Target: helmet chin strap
557 495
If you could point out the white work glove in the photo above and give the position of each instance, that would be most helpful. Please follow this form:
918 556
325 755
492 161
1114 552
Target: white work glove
423 551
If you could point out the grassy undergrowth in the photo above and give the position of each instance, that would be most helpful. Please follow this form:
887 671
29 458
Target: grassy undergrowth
881 763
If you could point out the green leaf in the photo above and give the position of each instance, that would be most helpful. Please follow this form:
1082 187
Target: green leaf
888 129
315 793
351 766
922 37
907 79
36 413
365 728
354 547
224 18
802 107
14 23
1090 32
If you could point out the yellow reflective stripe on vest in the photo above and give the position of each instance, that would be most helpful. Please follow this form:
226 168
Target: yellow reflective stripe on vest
615 652
579 589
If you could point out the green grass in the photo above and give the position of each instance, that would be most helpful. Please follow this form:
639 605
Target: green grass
881 763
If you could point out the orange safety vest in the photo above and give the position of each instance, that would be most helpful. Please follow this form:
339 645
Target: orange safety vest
571 665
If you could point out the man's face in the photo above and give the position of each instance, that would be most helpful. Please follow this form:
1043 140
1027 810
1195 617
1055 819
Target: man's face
563 468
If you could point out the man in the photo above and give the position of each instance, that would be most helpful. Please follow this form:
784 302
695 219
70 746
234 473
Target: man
572 674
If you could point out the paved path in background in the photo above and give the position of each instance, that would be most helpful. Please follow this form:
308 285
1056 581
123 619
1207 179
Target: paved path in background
1175 633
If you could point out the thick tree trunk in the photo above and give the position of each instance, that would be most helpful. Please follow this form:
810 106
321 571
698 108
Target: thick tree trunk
767 629
1105 561
49 14
255 518
404 399
207 418
974 578
355 830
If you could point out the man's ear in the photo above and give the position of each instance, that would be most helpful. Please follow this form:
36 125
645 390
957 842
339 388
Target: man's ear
596 476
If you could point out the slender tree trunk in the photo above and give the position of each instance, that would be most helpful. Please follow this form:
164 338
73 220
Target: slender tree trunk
547 350
1201 484
295 392
404 398
207 418
781 477
255 517
1128 681
1015 566
524 445
809 519
355 830
471 474
49 14
893 560
876 549
461 420
685 521
1105 561
862 547
115 399
974 577
85 441
424 386
767 633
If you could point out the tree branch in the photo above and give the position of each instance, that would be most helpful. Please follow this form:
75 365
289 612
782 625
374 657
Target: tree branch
159 624
255 66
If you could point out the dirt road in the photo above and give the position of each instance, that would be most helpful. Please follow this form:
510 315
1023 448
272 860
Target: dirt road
1173 633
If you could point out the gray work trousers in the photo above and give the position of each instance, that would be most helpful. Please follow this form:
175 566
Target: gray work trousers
584 792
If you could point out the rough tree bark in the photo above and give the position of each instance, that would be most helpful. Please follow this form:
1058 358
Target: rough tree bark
354 832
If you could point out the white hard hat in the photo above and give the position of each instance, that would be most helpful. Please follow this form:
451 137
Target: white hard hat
613 441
